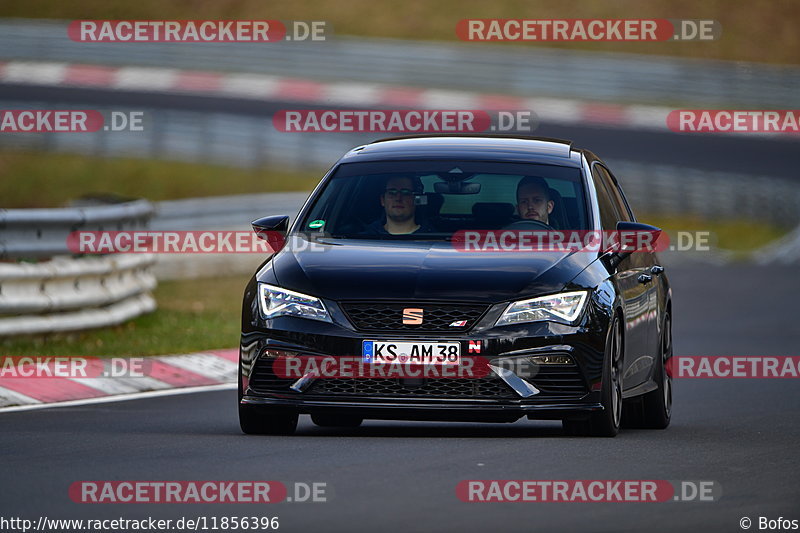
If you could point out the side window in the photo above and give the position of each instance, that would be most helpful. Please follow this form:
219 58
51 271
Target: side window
609 215
617 195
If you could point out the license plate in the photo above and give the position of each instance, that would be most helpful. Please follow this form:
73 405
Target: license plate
422 353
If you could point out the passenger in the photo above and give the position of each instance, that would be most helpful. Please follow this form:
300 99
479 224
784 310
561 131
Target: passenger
399 207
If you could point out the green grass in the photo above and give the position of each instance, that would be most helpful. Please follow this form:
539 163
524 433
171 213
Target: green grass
192 315
763 31
33 179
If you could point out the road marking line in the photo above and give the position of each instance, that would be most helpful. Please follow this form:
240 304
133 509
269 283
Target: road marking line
50 389
147 78
121 397
354 94
252 85
446 99
8 396
205 364
111 385
162 369
35 72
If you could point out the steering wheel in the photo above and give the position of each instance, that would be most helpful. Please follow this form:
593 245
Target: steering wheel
529 224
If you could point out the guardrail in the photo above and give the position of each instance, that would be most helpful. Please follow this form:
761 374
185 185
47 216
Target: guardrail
710 195
66 293
518 70
36 233
217 213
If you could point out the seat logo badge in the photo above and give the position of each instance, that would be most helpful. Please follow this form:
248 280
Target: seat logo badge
458 323
412 316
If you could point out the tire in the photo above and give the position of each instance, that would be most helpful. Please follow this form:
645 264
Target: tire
606 422
657 405
263 420
333 421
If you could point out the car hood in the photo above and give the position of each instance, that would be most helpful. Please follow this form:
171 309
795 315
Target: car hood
420 270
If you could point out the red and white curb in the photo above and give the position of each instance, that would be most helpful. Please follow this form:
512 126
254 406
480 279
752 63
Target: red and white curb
217 368
361 95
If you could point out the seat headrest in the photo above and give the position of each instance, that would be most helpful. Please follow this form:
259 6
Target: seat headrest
435 202
558 218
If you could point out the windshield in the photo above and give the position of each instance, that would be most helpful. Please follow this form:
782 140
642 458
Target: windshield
435 199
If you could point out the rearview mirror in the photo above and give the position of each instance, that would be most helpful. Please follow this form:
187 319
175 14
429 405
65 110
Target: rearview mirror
456 187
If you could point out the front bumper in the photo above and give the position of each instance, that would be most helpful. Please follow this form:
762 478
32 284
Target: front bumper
562 391
445 410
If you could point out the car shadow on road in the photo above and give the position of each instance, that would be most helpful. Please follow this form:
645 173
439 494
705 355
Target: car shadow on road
383 429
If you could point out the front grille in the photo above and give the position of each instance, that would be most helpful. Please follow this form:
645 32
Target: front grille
434 388
388 317
564 380
561 381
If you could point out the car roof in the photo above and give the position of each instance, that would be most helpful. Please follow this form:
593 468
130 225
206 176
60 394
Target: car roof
481 147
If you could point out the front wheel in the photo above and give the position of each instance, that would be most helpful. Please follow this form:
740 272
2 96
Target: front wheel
266 420
606 422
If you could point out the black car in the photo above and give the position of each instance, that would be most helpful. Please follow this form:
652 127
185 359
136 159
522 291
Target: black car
578 335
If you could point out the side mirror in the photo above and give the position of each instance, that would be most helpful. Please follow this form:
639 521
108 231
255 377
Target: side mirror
631 237
272 229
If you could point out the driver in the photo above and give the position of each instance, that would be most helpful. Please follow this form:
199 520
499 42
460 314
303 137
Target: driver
533 199
397 200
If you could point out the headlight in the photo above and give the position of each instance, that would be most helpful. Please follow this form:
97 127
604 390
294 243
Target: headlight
276 302
562 307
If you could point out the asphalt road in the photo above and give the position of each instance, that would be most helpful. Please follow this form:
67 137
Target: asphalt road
401 476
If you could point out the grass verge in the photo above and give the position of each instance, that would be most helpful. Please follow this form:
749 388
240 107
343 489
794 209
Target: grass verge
738 236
